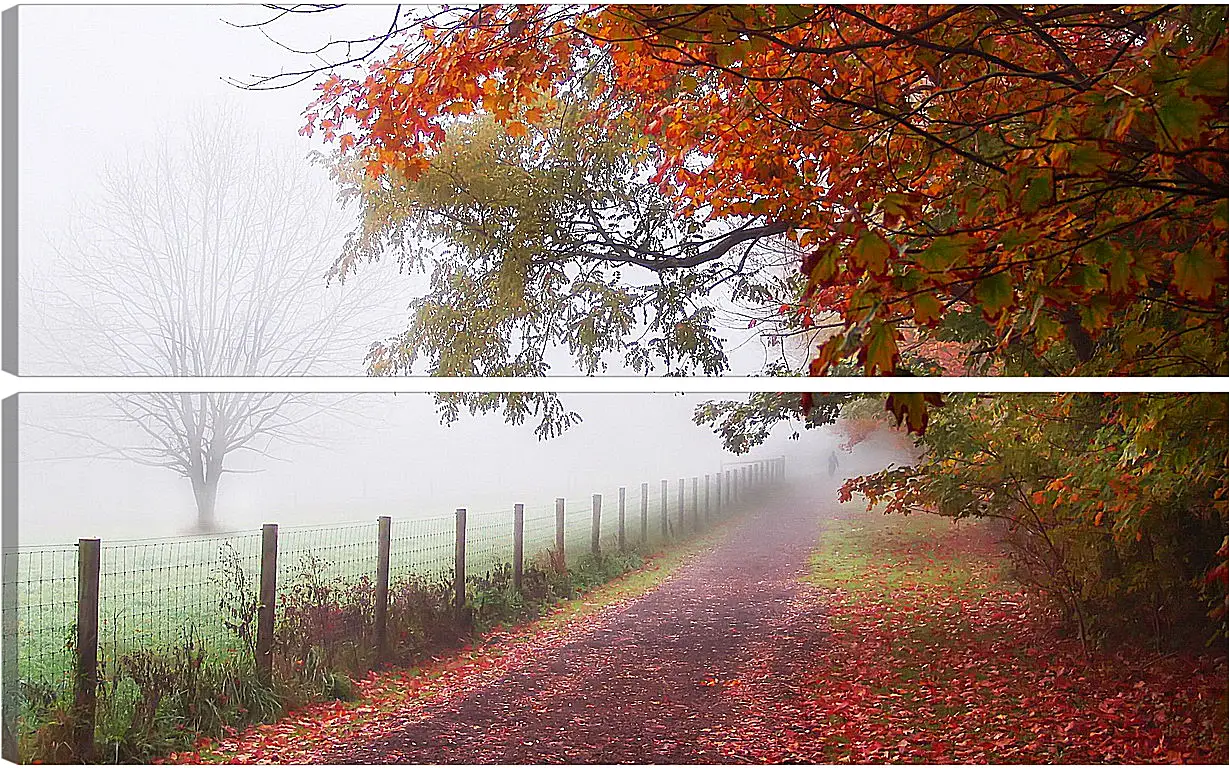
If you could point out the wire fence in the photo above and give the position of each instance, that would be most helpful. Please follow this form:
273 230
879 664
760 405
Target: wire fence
423 546
158 592
42 586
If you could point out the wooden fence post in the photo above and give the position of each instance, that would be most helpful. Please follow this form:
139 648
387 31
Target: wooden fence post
682 511
458 575
562 565
595 546
85 693
695 503
383 554
708 501
622 519
518 545
644 513
665 517
268 601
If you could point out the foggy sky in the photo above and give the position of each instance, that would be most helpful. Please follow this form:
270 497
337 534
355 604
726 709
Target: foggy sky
394 459
99 83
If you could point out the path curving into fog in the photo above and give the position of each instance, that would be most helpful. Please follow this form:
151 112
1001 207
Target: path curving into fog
655 681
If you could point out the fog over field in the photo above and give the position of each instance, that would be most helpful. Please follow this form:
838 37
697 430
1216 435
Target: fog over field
383 454
200 52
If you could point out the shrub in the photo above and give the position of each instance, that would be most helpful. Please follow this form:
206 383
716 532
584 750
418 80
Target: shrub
419 617
325 627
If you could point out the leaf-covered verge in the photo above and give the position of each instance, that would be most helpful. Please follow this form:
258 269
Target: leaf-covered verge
155 701
310 733
933 653
1117 504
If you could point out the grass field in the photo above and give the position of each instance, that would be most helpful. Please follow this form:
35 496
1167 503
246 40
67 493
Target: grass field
153 592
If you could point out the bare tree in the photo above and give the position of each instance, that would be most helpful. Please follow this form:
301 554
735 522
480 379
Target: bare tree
206 256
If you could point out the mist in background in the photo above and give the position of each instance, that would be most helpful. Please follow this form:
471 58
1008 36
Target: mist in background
102 85
381 454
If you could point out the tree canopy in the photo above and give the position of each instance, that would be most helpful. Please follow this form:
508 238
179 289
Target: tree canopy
1049 183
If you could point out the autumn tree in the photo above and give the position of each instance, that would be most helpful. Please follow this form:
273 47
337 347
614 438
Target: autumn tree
1114 504
204 256
1032 190
1055 172
536 243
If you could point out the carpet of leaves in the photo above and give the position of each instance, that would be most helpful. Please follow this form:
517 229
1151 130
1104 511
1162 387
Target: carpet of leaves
914 651
926 659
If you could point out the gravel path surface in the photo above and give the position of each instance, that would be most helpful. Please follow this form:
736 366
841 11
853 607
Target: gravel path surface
663 679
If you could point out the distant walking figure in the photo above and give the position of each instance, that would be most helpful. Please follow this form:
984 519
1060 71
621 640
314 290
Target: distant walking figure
832 464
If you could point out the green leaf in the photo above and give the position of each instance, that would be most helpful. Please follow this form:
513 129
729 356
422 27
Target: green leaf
1181 116
1046 328
943 252
913 409
826 267
1087 158
1095 312
1209 77
791 15
995 294
872 252
926 309
1091 278
1196 272
1120 270
1039 191
1014 238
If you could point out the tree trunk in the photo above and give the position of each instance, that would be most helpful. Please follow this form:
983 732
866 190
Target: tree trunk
205 490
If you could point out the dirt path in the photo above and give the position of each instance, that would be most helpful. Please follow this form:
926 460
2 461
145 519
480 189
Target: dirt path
657 681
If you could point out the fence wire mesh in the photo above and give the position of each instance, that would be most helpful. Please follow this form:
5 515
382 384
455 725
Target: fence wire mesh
43 616
488 541
422 547
345 551
163 592
539 534
157 592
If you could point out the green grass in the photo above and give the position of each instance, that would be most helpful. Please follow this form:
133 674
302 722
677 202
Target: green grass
160 594
876 554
